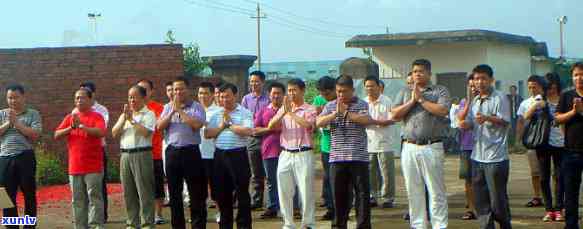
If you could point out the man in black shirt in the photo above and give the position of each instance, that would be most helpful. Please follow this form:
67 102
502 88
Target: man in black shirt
570 114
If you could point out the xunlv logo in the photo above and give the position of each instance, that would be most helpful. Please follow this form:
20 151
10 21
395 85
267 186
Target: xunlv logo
26 220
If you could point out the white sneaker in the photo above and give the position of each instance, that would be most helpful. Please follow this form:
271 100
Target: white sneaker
218 217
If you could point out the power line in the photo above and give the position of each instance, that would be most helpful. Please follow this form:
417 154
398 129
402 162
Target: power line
232 10
315 32
308 28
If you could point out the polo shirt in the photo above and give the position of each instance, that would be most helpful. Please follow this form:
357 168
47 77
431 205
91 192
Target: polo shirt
178 133
207 145
320 101
270 147
130 139
379 138
254 103
12 141
157 108
573 127
294 136
227 139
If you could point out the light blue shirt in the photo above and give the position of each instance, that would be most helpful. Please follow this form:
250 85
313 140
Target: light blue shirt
227 139
490 140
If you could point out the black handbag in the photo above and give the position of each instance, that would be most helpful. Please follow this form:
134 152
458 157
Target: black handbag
537 131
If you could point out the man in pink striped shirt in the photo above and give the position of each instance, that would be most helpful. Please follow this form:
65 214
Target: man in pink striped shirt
296 161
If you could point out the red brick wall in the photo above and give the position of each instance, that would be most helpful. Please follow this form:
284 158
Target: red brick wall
51 76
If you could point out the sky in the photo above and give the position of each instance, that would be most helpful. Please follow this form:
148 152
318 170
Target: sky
293 30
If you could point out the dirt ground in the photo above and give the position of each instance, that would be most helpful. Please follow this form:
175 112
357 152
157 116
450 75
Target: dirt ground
58 214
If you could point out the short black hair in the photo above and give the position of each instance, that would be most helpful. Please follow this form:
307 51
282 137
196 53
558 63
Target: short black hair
140 89
228 86
470 76
87 91
554 78
276 84
297 82
373 78
514 86
326 83
208 85
485 69
169 83
577 65
89 85
182 79
345 80
382 83
422 62
258 73
537 79
410 74
15 87
150 83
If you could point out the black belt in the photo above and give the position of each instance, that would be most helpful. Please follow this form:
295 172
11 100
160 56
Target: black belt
423 142
136 150
301 149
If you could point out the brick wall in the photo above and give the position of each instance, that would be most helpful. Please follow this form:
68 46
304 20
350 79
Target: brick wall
51 76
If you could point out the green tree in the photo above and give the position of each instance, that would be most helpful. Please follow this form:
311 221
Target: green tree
194 64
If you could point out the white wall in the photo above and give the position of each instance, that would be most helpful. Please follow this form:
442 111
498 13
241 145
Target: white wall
511 63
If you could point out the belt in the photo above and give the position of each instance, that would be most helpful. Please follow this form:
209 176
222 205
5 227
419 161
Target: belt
136 150
301 149
423 142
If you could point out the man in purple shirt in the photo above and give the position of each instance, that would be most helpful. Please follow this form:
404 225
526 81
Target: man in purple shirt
254 102
181 121
270 147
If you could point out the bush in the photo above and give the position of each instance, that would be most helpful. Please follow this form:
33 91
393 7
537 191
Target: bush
112 170
49 169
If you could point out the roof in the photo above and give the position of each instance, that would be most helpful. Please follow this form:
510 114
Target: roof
374 40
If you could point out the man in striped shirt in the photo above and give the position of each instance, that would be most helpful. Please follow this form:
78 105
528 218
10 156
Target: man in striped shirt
348 117
231 127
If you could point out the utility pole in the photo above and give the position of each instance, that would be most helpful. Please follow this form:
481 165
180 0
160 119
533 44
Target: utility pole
562 21
93 18
259 17
387 30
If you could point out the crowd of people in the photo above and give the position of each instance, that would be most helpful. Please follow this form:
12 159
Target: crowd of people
212 151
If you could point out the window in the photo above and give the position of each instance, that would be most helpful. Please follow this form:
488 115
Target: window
312 72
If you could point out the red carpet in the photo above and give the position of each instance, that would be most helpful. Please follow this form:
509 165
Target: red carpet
56 193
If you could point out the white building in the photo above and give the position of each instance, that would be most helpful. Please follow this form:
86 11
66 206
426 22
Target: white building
453 54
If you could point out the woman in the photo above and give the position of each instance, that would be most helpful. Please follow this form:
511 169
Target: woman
552 152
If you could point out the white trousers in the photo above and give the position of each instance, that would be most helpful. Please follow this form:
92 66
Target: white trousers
296 169
423 168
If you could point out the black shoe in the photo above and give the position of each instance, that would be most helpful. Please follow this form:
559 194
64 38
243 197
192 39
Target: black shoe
328 216
268 214
297 214
323 204
388 204
406 216
373 203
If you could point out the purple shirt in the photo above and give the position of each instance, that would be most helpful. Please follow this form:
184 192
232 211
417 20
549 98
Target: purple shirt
270 147
181 134
466 136
255 103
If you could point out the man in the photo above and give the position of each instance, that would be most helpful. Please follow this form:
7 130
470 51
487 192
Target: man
159 193
535 89
424 110
84 131
466 139
207 146
135 127
515 100
348 116
296 162
181 120
326 88
379 144
20 128
270 146
231 126
102 110
570 115
489 118
254 102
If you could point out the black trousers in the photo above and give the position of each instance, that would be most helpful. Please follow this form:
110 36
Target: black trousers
572 168
19 172
184 164
104 186
346 177
257 171
232 173
544 159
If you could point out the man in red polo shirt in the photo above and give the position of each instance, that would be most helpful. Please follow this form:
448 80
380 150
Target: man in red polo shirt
83 131
157 108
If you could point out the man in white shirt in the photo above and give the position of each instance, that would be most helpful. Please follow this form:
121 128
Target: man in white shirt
379 144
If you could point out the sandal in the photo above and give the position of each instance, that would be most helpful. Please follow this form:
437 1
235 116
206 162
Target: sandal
534 202
469 215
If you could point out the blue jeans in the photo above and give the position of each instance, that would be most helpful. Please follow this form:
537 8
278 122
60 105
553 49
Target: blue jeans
270 166
572 168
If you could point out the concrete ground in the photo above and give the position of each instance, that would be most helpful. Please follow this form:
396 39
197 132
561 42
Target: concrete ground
58 215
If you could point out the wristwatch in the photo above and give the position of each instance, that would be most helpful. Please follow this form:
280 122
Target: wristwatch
81 126
421 100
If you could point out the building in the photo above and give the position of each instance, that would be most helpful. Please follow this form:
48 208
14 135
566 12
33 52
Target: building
454 53
307 70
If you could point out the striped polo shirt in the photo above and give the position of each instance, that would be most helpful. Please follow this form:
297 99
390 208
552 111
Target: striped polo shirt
349 143
227 139
12 142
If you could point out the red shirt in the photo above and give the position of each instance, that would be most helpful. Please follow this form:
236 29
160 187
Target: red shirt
85 151
157 108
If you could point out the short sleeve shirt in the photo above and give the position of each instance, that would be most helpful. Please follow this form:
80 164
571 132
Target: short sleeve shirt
227 139
573 127
179 133
320 101
379 138
294 136
207 145
157 108
349 143
85 151
130 139
419 124
254 103
270 147
13 142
